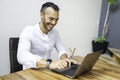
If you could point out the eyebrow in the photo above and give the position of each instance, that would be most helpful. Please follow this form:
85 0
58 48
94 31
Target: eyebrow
53 18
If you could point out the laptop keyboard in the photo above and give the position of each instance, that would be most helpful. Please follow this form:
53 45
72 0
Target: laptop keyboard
69 70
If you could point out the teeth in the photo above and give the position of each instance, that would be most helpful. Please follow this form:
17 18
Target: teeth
50 25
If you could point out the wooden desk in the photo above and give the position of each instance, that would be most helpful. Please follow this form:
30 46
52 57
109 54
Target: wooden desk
101 71
116 55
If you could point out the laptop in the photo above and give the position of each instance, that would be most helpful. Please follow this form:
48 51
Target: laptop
77 69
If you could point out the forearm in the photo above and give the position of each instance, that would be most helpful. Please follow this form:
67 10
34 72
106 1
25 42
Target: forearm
42 62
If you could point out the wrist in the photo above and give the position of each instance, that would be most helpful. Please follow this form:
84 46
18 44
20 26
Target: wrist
48 62
63 56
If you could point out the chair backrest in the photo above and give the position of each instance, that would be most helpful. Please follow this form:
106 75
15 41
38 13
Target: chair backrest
13 45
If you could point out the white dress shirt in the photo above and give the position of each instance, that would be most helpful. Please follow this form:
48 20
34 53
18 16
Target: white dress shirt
35 45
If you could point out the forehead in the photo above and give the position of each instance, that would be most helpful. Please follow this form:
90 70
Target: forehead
51 12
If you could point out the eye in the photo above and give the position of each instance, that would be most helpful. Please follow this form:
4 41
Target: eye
51 18
57 19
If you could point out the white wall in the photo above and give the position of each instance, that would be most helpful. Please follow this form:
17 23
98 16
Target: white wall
78 24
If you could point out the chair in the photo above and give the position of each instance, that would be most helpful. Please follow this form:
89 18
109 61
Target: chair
13 45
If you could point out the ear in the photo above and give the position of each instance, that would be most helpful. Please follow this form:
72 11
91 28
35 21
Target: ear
41 14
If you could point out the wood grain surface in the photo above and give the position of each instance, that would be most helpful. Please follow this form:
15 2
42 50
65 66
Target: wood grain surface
101 71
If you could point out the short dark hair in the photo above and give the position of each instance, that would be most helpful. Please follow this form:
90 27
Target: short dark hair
49 4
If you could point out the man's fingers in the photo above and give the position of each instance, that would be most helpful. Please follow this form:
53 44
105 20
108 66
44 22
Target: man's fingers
61 64
64 63
70 61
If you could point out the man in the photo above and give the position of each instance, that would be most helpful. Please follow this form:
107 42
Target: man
36 42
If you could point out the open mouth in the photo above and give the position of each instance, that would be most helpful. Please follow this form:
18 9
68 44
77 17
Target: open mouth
50 26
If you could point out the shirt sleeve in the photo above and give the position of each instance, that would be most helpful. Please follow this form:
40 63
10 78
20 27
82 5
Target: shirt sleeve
59 46
24 56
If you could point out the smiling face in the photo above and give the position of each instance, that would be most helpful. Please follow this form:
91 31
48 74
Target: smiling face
49 18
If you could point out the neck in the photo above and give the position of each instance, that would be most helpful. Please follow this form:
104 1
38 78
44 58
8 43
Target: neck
42 28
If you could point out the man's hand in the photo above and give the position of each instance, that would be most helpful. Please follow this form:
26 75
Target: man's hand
58 64
41 63
70 61
61 64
